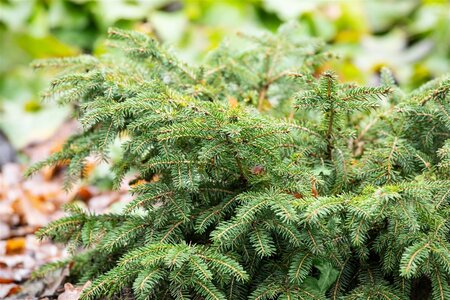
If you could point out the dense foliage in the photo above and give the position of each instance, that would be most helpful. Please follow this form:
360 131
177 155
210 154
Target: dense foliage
255 177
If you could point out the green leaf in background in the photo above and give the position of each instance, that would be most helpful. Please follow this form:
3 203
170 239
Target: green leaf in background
23 118
42 47
327 277
24 127
384 13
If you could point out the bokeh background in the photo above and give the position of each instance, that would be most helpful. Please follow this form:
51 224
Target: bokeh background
412 37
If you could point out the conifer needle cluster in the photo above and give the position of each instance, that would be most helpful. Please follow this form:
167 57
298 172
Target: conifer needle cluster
256 176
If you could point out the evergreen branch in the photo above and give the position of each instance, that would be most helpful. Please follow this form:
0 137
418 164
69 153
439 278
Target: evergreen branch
208 291
146 281
229 266
338 286
412 257
55 226
300 267
142 200
171 229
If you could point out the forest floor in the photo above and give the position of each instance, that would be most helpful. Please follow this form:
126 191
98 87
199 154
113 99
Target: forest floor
29 204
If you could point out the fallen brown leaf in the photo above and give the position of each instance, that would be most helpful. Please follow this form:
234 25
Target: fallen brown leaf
58 280
85 193
6 280
15 246
71 292
8 290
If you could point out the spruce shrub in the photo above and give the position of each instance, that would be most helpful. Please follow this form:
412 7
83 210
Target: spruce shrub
327 191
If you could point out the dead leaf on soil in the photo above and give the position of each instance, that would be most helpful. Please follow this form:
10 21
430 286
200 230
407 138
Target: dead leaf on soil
8 290
58 280
15 246
71 292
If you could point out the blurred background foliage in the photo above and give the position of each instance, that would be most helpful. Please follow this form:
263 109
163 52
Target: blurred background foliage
411 37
